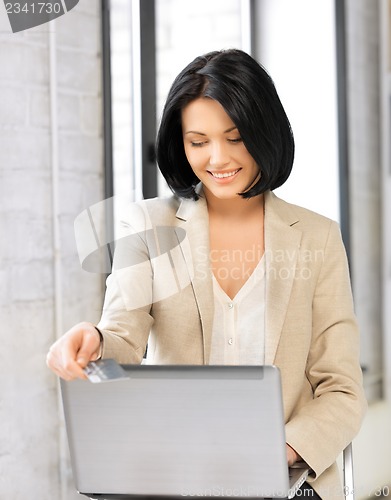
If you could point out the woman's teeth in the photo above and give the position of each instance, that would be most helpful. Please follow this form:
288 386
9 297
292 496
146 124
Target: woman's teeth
222 176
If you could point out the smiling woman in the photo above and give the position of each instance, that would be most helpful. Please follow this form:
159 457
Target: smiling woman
223 145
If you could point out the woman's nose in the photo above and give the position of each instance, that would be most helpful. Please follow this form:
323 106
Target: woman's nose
219 155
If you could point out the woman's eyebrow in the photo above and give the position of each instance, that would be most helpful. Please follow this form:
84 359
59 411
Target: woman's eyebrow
230 129
194 132
201 133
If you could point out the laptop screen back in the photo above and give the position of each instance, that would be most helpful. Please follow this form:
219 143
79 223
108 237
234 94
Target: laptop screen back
179 431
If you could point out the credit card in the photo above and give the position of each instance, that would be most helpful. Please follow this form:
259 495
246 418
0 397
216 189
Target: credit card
104 370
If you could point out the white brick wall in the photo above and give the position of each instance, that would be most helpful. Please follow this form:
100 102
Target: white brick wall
33 459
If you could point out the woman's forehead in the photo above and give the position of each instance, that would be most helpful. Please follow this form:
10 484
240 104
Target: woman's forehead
205 113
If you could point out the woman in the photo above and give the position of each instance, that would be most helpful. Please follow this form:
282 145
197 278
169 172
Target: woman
224 272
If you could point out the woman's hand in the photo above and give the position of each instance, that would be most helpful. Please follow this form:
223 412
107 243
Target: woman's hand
73 351
291 455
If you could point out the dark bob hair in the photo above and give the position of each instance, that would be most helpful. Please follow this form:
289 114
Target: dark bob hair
248 96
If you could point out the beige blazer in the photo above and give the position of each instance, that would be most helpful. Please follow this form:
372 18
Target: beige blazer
161 293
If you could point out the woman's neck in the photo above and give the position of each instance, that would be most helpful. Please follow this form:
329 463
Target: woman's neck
237 208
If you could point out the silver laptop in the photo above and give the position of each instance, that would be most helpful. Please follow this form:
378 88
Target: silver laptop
176 431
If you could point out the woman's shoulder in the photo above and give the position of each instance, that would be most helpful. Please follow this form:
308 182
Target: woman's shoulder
297 214
151 212
167 204
316 229
169 210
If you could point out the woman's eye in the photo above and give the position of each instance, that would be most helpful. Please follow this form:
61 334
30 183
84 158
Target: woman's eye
236 140
197 144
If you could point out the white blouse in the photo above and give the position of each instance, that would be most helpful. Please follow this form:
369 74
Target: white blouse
238 334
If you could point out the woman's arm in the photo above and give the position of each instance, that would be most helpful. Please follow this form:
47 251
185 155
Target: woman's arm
126 321
323 427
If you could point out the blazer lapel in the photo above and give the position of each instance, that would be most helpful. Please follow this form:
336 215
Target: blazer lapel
282 243
195 250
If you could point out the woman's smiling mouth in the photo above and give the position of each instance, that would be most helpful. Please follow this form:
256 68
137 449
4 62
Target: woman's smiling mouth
224 175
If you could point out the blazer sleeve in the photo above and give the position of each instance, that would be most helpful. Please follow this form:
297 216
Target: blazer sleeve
126 317
328 422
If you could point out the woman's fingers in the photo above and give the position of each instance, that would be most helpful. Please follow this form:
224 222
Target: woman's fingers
72 352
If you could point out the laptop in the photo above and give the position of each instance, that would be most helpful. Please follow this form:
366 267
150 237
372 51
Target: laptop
173 431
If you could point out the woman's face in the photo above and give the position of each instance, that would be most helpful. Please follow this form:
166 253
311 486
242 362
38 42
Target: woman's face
215 150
